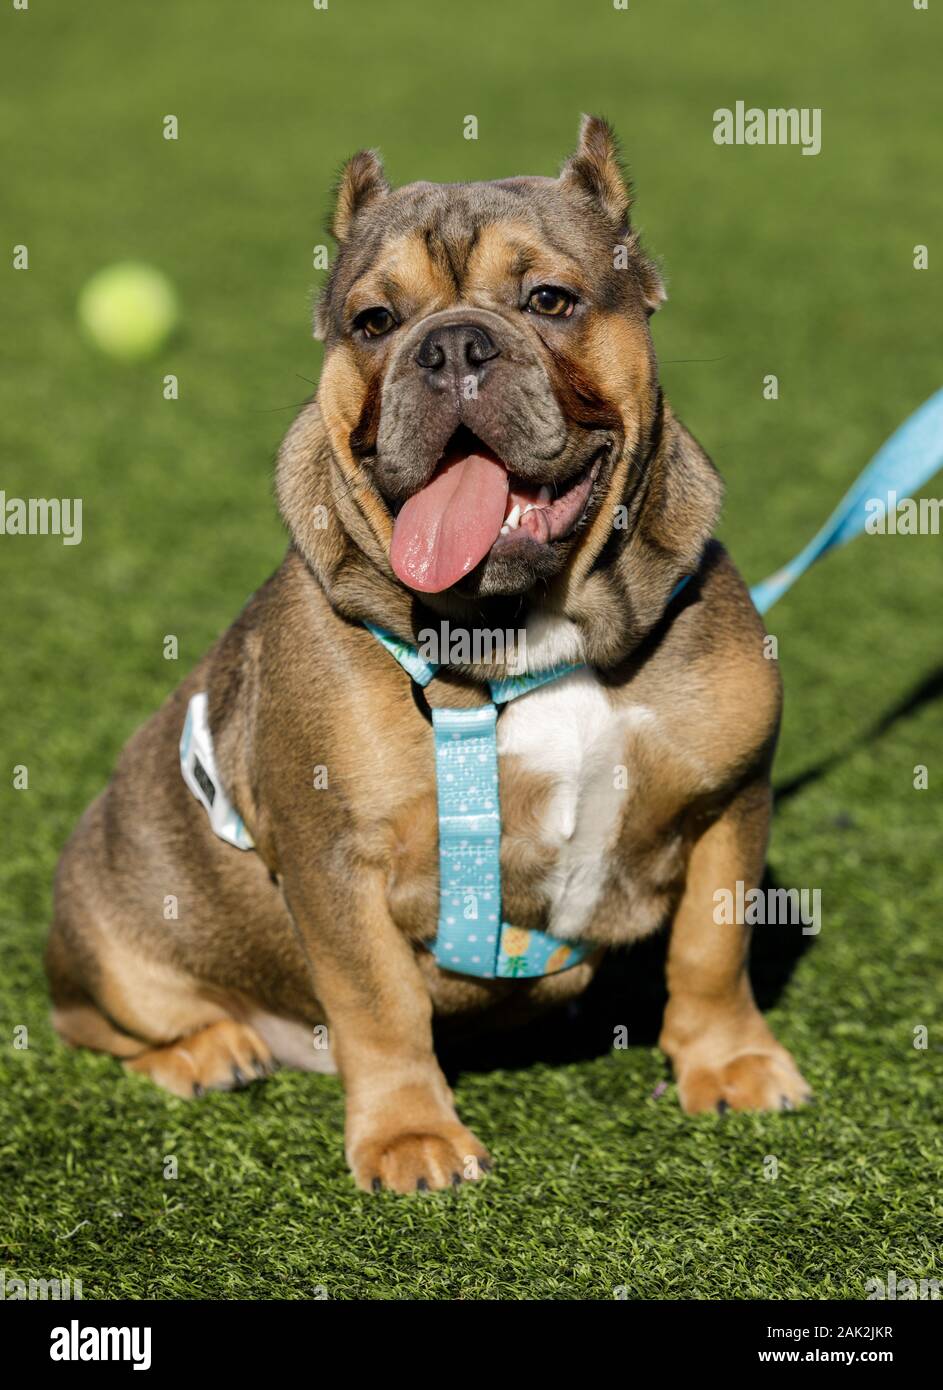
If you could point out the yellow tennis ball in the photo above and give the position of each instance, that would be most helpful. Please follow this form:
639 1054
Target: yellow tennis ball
128 310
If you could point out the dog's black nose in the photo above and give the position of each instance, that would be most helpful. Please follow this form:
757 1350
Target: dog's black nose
454 349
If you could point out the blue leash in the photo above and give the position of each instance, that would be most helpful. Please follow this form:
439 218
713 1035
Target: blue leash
903 464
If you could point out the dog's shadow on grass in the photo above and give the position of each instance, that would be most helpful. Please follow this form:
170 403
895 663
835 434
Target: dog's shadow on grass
627 992
924 693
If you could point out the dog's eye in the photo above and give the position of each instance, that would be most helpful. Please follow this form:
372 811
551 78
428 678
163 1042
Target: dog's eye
550 299
375 322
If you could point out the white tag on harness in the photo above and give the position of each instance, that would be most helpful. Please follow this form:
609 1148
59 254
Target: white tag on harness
198 766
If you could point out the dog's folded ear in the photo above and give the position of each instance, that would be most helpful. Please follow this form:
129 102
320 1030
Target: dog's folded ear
362 181
595 171
594 175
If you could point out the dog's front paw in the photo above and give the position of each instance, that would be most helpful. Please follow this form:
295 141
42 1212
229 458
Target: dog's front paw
767 1080
417 1162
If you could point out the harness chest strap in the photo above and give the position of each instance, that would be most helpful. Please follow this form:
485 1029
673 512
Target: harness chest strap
472 936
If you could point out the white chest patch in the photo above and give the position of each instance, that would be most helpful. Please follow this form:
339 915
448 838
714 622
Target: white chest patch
570 731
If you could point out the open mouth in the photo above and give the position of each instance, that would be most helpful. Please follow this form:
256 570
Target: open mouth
472 503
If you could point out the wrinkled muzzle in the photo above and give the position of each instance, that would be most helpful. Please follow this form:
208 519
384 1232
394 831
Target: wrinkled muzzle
472 442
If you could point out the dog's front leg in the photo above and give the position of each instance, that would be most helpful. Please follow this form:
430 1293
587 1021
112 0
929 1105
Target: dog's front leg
723 1052
402 1131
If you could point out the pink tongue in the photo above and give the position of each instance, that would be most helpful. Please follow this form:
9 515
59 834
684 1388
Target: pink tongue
448 527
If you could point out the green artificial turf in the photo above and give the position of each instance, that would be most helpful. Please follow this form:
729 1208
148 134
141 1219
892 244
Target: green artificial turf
777 263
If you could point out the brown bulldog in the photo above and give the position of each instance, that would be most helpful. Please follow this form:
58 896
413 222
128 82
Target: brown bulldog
489 449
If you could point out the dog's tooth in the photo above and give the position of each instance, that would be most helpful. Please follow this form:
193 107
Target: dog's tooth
531 507
505 530
543 496
513 517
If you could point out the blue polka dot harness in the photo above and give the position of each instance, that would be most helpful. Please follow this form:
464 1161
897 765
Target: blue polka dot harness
473 938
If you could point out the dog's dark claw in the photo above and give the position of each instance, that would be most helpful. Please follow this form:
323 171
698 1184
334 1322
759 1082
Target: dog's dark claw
376 1185
239 1076
422 1185
722 1107
485 1165
785 1103
456 1179
198 1090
